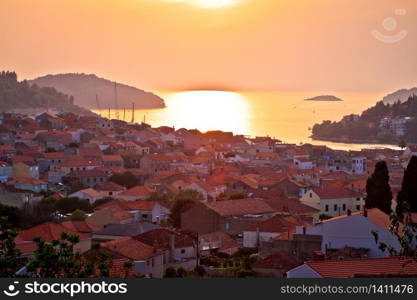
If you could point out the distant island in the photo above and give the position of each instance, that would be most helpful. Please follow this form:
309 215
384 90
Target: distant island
324 98
382 123
86 87
22 97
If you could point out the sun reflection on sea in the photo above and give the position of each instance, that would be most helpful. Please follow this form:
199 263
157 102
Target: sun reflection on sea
209 110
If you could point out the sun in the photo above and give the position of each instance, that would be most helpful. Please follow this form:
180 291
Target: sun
213 3
209 3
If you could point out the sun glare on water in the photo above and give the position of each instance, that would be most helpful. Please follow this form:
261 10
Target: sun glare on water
209 3
209 110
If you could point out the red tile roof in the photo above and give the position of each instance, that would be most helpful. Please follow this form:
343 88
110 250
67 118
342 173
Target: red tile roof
138 191
113 158
80 226
336 193
130 248
349 268
110 186
25 180
277 224
280 260
24 159
161 238
118 270
128 205
159 157
7 148
54 155
250 206
288 205
48 231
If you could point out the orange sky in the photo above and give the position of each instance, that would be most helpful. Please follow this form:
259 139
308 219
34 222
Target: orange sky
320 45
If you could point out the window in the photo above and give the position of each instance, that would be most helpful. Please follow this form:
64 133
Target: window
358 207
311 195
358 199
335 207
110 193
344 207
327 207
182 251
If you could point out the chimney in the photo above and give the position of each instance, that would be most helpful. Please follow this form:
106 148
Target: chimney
349 212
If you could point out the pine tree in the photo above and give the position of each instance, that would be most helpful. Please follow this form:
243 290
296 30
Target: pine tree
378 189
408 192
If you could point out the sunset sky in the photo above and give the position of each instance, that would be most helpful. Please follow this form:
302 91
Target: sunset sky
321 45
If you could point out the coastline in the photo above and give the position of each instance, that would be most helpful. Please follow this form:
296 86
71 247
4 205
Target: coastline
351 141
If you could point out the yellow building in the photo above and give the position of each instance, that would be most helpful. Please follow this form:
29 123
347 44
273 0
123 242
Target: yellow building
333 201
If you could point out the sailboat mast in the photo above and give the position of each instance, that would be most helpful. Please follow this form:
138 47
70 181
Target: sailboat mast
98 105
133 112
116 100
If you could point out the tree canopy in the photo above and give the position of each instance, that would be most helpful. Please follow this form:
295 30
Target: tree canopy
15 94
378 190
408 192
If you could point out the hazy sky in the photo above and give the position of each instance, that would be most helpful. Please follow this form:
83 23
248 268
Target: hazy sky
320 45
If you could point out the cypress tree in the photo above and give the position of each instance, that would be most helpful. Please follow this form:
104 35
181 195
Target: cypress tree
378 189
408 192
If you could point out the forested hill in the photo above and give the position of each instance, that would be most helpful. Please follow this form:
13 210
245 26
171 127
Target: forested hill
86 87
15 95
366 127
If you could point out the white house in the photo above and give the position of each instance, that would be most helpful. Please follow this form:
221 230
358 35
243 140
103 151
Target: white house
303 163
359 165
76 133
355 230
149 211
410 151
89 194
269 229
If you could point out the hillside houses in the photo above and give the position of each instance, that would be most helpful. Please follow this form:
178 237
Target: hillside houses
252 192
